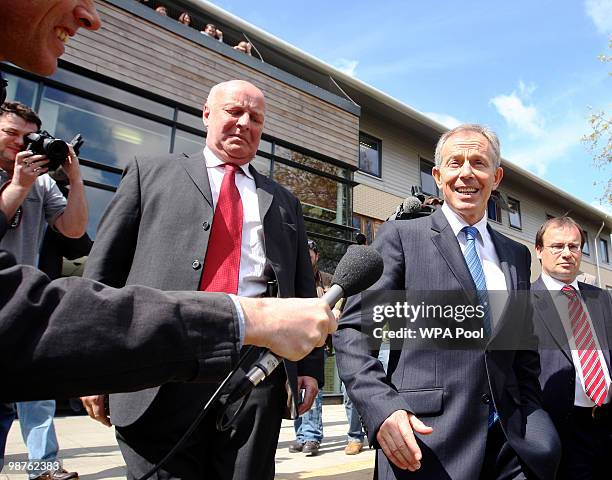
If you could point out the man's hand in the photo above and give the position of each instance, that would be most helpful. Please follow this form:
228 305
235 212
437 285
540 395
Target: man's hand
397 440
72 167
94 404
289 327
311 389
25 172
28 168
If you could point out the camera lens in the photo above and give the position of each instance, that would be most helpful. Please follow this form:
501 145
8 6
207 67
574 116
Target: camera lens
56 150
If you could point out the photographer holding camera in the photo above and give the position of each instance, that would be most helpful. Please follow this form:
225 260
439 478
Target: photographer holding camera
29 198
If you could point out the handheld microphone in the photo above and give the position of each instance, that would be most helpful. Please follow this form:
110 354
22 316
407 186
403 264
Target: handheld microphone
410 207
360 267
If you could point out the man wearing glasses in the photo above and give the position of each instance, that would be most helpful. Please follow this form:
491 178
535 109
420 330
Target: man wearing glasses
573 325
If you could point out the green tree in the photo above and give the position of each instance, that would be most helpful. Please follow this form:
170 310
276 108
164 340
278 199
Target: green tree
599 140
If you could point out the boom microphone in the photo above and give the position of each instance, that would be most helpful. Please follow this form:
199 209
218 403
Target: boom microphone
360 267
410 207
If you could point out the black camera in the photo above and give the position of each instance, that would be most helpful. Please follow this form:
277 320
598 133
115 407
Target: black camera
56 150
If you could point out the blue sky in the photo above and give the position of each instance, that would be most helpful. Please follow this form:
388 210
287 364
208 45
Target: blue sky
528 69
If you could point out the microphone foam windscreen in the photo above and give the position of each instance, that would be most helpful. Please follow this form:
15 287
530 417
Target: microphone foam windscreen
411 205
358 269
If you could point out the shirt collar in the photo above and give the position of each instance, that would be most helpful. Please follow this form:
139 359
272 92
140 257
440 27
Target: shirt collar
556 285
456 222
213 161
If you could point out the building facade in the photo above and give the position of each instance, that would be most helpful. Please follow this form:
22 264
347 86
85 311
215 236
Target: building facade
349 152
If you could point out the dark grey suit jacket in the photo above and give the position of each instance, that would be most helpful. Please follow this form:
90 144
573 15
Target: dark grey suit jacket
558 376
155 233
75 337
447 389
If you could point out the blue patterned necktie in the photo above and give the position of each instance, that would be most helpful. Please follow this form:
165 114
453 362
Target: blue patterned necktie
475 268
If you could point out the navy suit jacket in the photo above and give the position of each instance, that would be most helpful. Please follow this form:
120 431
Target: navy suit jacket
448 389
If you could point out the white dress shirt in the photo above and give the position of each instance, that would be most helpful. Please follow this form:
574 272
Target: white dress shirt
494 276
561 303
252 280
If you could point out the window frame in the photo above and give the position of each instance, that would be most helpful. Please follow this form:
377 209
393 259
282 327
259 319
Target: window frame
518 212
378 143
423 160
586 252
498 210
604 243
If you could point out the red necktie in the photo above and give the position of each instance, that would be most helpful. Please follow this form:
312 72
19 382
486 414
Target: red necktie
222 263
590 364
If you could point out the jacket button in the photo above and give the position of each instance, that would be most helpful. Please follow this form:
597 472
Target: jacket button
485 398
196 264
206 225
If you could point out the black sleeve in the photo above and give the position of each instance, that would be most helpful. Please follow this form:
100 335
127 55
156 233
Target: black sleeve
3 224
74 336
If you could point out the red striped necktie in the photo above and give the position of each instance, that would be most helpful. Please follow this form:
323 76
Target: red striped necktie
222 263
590 363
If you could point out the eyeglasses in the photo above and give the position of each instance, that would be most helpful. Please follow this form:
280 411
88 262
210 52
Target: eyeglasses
558 248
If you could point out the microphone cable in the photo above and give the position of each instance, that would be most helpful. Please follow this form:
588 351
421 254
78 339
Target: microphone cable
215 396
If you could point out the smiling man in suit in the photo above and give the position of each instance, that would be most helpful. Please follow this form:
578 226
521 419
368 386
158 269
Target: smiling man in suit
573 326
452 414
208 221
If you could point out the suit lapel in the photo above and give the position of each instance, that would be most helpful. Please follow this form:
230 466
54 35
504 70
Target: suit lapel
446 242
271 221
549 316
265 192
195 166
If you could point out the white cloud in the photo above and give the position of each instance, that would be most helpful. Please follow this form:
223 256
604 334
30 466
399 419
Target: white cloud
600 12
554 145
517 113
447 120
346 66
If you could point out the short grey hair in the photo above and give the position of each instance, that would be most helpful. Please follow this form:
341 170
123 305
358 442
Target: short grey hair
486 132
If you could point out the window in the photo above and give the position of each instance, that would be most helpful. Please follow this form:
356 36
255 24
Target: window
603 250
586 249
366 225
20 90
97 200
428 184
321 197
112 136
185 142
514 214
494 209
369 154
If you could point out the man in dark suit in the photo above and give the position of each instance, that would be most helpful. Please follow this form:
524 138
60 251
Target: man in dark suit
452 414
573 324
157 232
